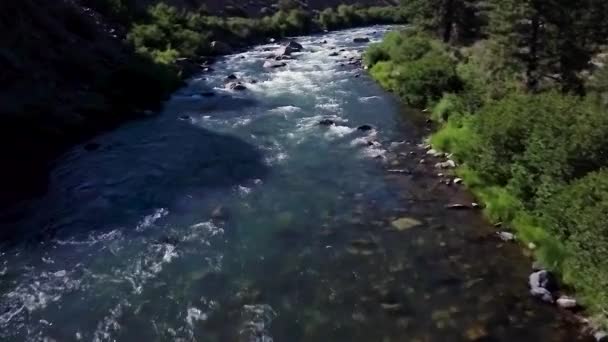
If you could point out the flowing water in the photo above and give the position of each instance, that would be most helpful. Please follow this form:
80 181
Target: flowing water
237 217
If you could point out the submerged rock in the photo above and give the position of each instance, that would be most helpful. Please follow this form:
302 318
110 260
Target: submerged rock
207 94
361 40
405 223
334 54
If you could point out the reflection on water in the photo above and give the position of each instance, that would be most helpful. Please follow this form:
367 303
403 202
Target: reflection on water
237 217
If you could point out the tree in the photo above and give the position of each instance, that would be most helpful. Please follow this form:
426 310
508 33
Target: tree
451 20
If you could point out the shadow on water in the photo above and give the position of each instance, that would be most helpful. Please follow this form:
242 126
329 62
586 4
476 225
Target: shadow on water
132 172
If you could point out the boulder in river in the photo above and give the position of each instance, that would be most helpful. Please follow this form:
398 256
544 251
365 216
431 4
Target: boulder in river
327 122
542 284
220 48
236 86
334 54
231 77
274 65
361 40
365 128
294 46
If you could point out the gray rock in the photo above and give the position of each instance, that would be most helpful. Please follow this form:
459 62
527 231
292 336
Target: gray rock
334 54
361 40
294 46
566 302
506 236
327 122
448 164
236 86
365 128
457 206
542 294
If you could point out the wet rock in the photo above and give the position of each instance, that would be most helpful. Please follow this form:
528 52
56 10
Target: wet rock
184 117
566 302
327 122
435 153
236 86
361 40
457 181
295 46
231 77
476 205
357 76
542 294
506 236
542 284
405 223
92 146
449 164
220 48
334 54
273 65
365 128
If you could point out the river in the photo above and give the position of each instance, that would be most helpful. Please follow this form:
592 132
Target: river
237 217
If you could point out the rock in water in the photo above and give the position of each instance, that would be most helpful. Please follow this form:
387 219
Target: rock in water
294 46
231 77
327 122
365 128
272 65
236 86
601 336
457 206
405 223
361 40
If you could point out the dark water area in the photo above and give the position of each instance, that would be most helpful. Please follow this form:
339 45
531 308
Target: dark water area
237 217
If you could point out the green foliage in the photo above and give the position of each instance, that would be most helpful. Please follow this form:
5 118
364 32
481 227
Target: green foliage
419 70
346 16
578 216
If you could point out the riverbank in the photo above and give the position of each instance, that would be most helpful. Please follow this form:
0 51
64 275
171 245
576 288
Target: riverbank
533 159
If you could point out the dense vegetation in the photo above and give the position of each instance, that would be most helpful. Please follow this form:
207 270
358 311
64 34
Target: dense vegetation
167 33
518 89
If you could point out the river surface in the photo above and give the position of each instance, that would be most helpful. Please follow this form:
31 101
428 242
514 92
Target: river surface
237 217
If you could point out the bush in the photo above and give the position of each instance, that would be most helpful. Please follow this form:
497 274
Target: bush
578 216
418 69
535 143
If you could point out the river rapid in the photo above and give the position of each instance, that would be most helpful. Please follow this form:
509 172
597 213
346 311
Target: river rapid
237 217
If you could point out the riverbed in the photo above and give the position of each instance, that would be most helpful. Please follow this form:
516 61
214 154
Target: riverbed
235 216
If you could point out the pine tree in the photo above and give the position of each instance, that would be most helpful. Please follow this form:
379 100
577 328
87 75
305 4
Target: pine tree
451 20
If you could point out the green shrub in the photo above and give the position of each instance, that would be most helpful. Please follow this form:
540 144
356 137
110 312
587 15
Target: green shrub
535 143
578 216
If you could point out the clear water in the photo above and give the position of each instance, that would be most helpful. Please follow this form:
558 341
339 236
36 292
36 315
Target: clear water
238 218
